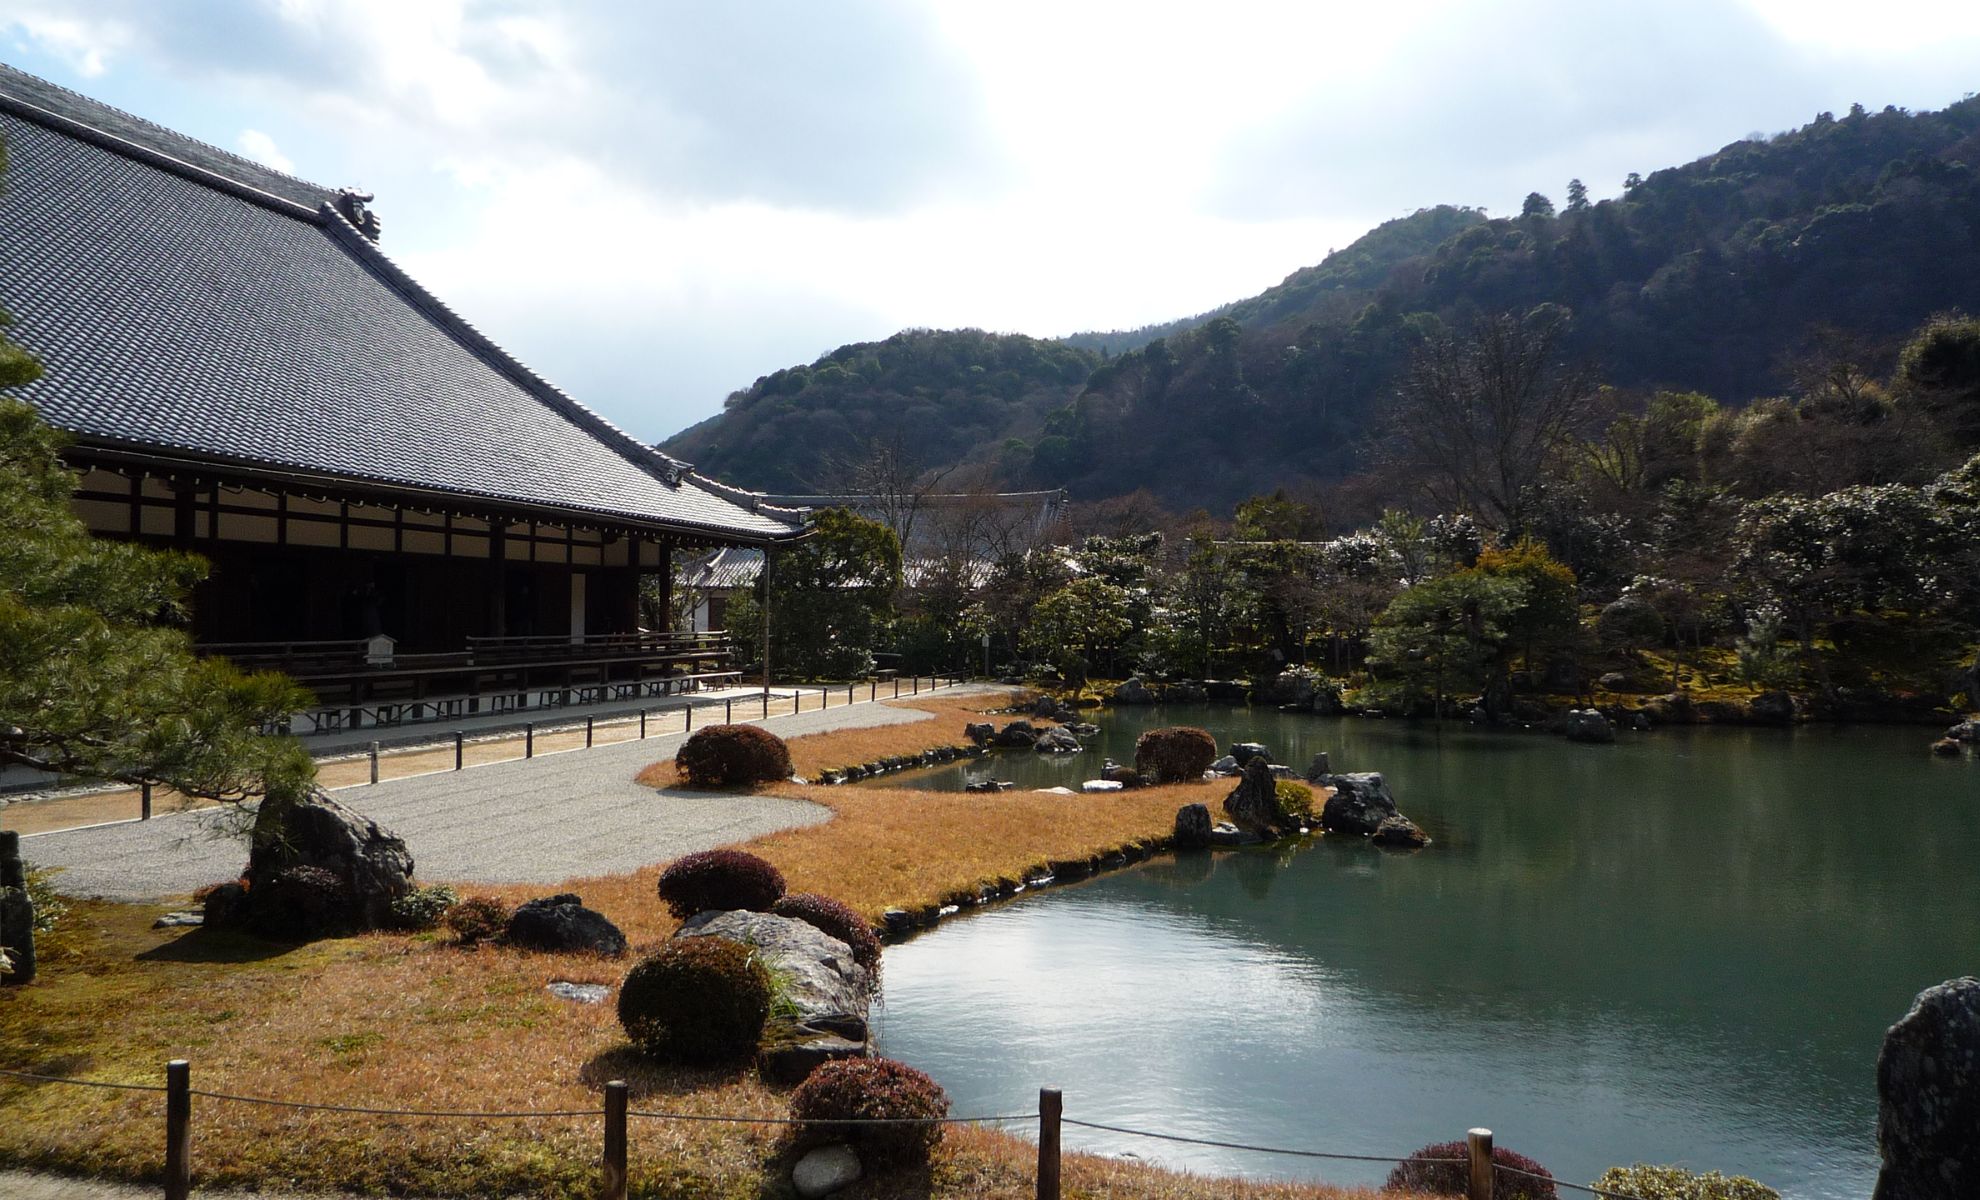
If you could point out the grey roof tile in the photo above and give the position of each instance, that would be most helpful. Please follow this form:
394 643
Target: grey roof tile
224 317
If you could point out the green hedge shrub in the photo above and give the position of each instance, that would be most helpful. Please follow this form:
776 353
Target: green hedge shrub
850 1089
1295 801
1415 1174
1176 754
422 908
698 1000
1648 1182
836 919
477 919
732 755
719 881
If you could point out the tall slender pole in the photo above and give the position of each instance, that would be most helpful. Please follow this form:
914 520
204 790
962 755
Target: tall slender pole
587 732
144 801
642 724
1480 1144
529 739
374 762
178 1129
690 717
460 749
1051 1106
766 630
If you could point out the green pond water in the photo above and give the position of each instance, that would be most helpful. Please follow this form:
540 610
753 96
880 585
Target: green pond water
1684 948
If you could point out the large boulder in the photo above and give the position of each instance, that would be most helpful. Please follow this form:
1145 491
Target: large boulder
1018 735
1133 691
1587 725
1253 805
1966 731
562 924
1928 1097
828 990
316 867
1319 768
1771 708
1057 740
1193 826
1244 752
980 732
16 912
824 1171
1399 831
1361 801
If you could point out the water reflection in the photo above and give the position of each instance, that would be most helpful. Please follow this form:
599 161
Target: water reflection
1683 949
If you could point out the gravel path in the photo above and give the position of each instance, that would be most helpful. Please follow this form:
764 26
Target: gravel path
540 820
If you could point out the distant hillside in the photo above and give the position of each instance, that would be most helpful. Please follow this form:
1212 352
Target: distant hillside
944 395
1708 277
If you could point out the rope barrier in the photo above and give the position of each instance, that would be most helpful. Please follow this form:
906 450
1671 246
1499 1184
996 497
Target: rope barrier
393 1112
832 1121
1171 1137
122 1087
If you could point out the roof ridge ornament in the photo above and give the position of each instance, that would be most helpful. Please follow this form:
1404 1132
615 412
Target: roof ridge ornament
353 204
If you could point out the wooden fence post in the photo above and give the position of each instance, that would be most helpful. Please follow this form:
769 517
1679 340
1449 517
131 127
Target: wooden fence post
144 802
1481 1164
1051 1105
873 688
460 749
642 724
797 701
374 762
690 718
529 739
587 731
178 1129
729 711
612 1183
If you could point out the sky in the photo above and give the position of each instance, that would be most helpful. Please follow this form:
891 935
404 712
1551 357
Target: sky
655 203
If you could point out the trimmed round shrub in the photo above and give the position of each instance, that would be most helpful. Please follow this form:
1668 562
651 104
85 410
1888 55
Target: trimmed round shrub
871 1089
1414 1174
478 919
721 881
1295 801
730 755
835 919
1176 754
698 1000
421 908
1677 1183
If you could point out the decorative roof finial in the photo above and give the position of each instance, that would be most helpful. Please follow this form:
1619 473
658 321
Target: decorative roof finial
353 204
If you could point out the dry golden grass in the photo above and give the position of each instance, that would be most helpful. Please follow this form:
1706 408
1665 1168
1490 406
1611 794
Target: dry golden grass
409 1022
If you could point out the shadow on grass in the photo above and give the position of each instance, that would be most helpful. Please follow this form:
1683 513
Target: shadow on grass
202 945
646 1077
914 1182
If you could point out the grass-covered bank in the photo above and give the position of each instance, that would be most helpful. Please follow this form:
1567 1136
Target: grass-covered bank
406 1021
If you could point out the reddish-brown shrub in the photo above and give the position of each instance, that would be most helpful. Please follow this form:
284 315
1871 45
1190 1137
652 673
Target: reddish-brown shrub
721 880
698 1000
477 919
302 902
1176 754
871 1089
1414 1174
835 919
728 755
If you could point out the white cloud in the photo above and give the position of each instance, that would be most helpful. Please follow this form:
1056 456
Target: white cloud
262 149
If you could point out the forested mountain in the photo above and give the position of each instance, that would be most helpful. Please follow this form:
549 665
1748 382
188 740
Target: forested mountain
944 396
1718 277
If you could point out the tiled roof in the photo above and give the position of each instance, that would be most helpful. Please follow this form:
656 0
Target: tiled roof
238 316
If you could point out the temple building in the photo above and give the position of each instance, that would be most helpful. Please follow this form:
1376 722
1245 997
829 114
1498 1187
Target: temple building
392 504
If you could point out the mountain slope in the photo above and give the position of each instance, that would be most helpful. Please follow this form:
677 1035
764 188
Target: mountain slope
1709 276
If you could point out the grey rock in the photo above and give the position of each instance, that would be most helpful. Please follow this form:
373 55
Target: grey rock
1057 740
824 1171
371 864
578 993
790 1063
1946 748
1771 708
1224 835
1224 766
1100 785
1399 831
1614 681
1360 802
980 732
562 924
1639 721
180 920
1054 791
1133 691
1318 769
1253 804
1193 826
1244 752
1587 725
1966 731
826 987
1928 1097
1017 735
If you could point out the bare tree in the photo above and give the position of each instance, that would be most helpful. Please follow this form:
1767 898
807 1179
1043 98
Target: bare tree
1482 417
889 479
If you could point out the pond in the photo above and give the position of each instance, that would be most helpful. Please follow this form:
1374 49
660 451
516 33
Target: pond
1684 948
